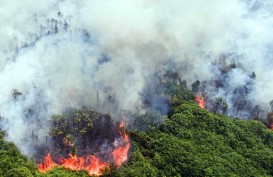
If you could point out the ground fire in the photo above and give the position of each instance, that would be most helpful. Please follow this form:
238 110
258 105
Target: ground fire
200 101
94 160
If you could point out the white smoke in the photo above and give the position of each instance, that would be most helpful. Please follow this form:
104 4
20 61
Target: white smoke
100 53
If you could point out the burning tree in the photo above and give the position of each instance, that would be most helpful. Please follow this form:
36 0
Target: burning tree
83 129
86 140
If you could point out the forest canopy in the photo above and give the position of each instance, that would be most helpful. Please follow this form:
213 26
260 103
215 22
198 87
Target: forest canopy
189 141
192 142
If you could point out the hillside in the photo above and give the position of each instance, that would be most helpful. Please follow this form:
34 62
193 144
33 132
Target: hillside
191 142
194 142
136 88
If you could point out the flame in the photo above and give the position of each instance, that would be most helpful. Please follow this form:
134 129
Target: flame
200 101
96 166
92 164
120 154
48 164
73 162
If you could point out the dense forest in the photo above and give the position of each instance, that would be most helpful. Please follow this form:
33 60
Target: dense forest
188 141
128 88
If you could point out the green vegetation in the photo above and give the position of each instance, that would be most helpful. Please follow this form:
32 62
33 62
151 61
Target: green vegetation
61 172
143 122
79 129
188 142
194 142
12 162
176 91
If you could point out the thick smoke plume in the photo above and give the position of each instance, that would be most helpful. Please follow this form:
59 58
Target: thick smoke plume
57 54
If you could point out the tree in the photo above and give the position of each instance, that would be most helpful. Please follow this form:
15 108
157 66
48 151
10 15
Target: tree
19 172
220 106
195 86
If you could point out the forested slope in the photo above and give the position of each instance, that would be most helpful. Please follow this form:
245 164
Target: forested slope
194 142
191 142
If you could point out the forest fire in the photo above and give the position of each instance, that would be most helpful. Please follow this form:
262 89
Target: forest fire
120 154
92 164
200 101
48 164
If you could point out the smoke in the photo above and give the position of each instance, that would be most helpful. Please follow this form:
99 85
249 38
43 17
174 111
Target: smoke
102 53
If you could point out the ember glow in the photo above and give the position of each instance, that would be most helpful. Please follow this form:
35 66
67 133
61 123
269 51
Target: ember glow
200 101
92 164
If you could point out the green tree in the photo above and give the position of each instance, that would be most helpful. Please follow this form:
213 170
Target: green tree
19 172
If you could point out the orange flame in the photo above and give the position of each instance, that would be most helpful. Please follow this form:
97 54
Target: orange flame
200 101
120 154
92 164
48 164
96 166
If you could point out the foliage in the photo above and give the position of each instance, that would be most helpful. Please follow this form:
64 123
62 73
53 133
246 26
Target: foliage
220 106
177 91
61 172
147 121
190 142
76 122
12 162
19 172
194 142
80 129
